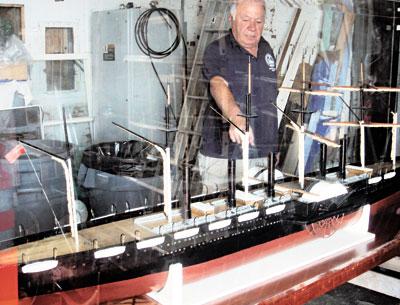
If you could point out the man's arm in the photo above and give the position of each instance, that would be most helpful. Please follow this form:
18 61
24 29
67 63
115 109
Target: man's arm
230 109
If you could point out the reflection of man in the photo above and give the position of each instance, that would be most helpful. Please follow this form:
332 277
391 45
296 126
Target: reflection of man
226 67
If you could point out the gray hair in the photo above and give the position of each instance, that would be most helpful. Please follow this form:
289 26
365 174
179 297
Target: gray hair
234 4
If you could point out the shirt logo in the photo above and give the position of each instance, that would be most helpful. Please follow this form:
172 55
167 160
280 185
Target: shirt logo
270 62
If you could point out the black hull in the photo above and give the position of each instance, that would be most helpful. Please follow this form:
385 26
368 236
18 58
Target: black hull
82 270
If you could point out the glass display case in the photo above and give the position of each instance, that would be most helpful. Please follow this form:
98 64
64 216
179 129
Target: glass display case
106 171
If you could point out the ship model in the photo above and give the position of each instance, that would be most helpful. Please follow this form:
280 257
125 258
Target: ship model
130 252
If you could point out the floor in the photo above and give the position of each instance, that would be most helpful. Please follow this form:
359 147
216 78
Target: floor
349 294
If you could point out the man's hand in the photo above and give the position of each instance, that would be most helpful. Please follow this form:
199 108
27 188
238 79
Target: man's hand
237 136
229 108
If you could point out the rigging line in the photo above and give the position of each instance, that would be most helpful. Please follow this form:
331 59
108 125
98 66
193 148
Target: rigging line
226 119
351 110
47 198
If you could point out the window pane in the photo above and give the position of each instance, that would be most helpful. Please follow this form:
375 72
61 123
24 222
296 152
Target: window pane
60 75
59 41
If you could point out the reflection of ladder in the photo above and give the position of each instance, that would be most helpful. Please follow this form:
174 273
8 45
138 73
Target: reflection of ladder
188 138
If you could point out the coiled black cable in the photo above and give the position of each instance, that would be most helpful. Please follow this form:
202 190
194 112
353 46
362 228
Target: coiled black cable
141 38
141 31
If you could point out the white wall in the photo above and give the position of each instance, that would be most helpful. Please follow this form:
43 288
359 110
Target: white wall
76 13
39 14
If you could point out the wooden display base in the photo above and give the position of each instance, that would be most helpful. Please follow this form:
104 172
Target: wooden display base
269 268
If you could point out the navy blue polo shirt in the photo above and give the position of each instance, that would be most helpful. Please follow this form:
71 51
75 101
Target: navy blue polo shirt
226 58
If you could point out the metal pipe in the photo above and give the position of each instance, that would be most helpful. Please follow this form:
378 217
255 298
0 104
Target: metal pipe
342 157
167 125
67 144
231 183
302 106
322 159
248 111
271 175
186 210
362 102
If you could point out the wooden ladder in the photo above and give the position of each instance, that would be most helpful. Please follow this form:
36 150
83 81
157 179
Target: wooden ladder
188 137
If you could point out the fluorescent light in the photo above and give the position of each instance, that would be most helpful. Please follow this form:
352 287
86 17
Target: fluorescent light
109 252
40 266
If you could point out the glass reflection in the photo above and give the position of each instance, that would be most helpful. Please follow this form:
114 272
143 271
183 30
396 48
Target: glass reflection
334 62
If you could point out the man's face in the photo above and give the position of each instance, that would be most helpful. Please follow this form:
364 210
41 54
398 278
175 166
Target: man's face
248 25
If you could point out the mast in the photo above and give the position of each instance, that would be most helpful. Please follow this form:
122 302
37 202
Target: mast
167 112
246 136
231 163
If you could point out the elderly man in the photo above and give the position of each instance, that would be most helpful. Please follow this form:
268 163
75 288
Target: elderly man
226 63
